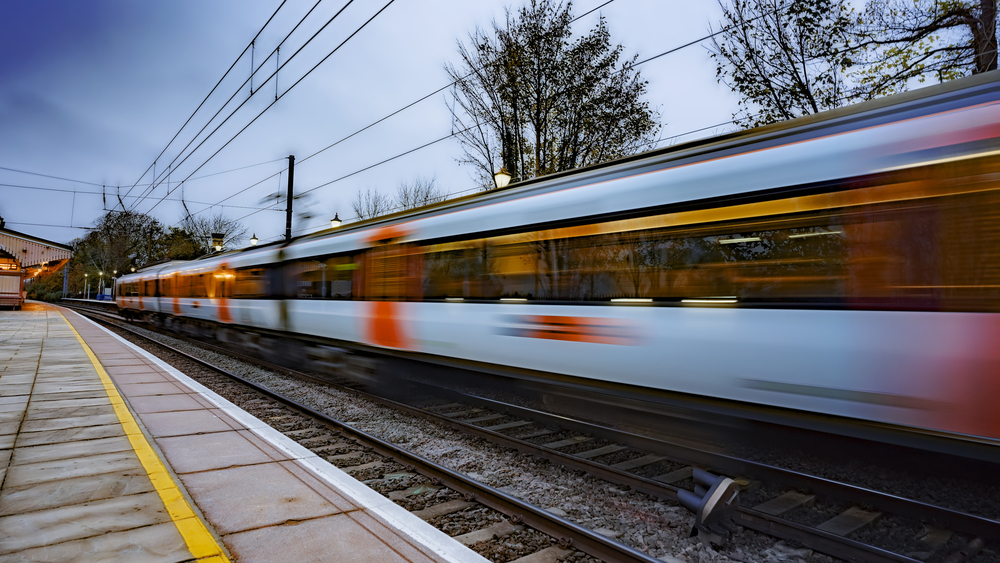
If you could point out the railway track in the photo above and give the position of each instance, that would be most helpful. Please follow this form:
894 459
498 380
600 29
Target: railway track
815 512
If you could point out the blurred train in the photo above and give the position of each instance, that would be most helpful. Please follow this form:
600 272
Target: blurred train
845 264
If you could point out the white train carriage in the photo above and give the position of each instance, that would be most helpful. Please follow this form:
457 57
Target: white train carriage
846 264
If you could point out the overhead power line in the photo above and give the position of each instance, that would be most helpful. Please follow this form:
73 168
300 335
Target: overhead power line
85 192
173 163
188 120
296 83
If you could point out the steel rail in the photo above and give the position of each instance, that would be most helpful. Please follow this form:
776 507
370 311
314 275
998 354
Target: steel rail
568 533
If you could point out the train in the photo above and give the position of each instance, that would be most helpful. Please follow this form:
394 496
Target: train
844 264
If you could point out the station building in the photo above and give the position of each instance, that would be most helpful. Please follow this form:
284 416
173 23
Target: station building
22 257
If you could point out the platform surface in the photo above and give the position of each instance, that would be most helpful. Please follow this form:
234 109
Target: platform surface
112 455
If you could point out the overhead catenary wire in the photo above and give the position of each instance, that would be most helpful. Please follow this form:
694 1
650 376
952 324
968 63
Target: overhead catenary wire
156 181
296 83
188 120
84 192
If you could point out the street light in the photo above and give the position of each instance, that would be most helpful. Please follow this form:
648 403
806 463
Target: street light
335 222
217 240
253 240
101 287
133 268
502 177
113 278
86 287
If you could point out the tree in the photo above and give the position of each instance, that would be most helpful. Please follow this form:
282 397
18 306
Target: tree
182 245
202 227
120 240
916 39
532 99
784 60
420 192
370 204
806 56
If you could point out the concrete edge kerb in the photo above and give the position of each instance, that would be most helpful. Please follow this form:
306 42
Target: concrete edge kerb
379 506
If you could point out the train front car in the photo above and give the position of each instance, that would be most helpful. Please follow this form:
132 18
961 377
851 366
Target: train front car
844 264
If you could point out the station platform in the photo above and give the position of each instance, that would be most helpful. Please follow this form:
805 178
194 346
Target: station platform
108 454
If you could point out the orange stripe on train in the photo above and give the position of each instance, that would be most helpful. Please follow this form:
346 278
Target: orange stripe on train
384 327
595 330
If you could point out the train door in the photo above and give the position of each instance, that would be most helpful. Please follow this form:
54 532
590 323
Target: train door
390 276
224 279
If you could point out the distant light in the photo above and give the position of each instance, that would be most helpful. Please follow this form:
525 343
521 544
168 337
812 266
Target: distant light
710 300
335 222
804 235
632 300
253 240
454 299
736 240
502 177
513 299
218 247
133 268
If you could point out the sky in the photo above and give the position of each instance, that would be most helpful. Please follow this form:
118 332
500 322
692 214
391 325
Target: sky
92 93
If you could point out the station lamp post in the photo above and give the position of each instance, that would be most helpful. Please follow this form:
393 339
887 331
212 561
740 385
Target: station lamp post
86 286
113 278
335 222
100 288
502 177
253 240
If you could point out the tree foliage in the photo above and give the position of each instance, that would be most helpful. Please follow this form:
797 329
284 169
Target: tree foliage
418 193
531 98
370 203
905 40
786 59
201 228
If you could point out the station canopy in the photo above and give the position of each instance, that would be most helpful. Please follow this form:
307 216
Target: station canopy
30 254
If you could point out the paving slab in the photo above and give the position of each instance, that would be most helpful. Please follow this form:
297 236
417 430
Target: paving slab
78 521
59 469
70 450
160 543
68 435
244 498
78 490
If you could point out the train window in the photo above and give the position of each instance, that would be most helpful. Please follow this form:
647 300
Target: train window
929 250
392 272
251 283
167 286
328 277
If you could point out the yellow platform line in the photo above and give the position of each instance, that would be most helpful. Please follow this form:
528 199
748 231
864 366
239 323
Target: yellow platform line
199 540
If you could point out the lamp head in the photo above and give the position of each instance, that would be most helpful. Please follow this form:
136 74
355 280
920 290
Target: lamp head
335 222
502 177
